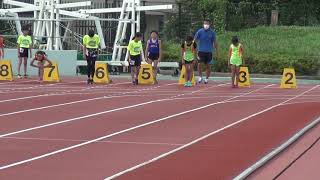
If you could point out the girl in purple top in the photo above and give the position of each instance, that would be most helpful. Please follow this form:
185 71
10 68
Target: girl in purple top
153 52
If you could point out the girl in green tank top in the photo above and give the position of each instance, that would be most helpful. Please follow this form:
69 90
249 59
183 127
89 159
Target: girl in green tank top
188 54
235 60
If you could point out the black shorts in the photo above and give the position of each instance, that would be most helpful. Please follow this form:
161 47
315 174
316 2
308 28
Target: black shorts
135 60
188 62
92 54
205 57
153 57
24 52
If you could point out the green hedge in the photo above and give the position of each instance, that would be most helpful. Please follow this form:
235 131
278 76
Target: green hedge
267 49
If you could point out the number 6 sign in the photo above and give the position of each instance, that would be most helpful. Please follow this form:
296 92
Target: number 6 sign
101 74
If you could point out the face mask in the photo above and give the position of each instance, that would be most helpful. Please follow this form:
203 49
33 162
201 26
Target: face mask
206 26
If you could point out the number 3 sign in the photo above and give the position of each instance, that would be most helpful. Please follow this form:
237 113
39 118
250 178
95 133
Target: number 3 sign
244 77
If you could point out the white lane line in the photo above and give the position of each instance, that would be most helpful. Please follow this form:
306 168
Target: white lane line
48 94
124 94
83 140
119 132
303 101
64 104
16 82
96 114
204 137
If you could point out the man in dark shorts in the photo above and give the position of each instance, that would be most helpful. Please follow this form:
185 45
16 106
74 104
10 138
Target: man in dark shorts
207 42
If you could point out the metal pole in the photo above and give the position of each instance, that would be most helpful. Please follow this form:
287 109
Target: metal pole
119 30
180 23
58 45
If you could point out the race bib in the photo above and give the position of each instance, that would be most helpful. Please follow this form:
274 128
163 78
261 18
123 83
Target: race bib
132 62
93 53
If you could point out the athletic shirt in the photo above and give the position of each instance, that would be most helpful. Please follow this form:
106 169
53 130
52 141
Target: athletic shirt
189 51
135 48
24 41
235 54
205 40
91 42
154 47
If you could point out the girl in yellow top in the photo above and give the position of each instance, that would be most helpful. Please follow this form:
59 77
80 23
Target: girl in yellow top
235 60
91 44
24 46
135 57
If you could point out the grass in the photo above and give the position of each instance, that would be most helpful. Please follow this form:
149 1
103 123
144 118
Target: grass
268 49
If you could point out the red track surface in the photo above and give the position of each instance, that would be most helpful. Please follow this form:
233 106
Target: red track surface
74 131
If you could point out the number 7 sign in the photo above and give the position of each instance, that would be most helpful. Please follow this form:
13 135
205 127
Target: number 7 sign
51 74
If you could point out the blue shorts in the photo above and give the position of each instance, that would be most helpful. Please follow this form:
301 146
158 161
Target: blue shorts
153 57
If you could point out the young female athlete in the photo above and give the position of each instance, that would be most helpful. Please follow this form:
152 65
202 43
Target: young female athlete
40 61
153 52
24 46
188 53
235 60
135 53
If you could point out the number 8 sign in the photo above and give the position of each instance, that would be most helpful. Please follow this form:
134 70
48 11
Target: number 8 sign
6 71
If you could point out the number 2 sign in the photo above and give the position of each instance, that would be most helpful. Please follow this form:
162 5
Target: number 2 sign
288 78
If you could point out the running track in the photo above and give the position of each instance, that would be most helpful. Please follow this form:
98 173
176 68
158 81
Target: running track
73 131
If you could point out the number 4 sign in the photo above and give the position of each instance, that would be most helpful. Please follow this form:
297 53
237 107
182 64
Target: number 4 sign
51 74
101 74
6 71
288 79
182 78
